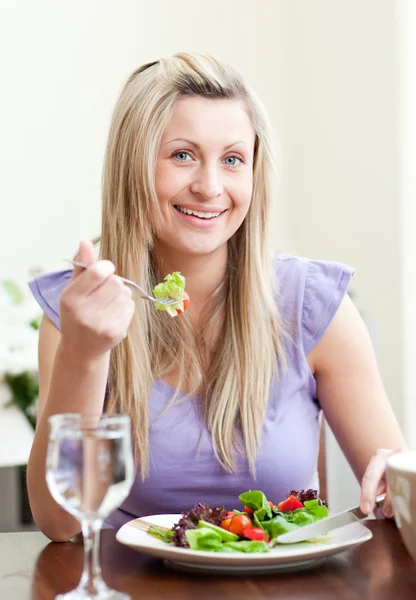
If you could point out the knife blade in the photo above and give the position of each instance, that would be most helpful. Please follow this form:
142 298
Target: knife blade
324 526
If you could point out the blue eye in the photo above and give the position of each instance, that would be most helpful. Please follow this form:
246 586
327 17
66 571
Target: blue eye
231 161
182 156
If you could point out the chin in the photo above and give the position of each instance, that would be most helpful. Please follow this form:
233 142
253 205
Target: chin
201 249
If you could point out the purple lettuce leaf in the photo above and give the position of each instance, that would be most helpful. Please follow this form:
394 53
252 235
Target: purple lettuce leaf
190 519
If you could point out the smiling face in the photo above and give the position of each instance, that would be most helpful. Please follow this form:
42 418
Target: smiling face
204 175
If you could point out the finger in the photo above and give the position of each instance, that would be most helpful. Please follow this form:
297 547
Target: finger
109 299
92 278
117 318
372 480
109 291
125 314
86 255
388 510
388 505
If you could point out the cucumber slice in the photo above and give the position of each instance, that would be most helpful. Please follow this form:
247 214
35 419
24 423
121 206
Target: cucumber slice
226 536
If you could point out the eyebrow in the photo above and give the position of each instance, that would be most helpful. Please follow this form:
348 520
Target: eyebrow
198 146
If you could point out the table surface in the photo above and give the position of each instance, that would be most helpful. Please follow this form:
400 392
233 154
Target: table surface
380 569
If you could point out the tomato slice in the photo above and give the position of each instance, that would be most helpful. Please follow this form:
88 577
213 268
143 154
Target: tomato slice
248 510
186 301
254 533
290 504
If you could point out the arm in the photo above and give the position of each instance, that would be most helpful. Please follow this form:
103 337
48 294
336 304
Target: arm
95 312
353 399
64 386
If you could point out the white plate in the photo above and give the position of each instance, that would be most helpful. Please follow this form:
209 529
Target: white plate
284 557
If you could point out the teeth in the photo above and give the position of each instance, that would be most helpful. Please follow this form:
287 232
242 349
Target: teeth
201 215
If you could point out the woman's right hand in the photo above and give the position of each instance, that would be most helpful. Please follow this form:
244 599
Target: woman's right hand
96 308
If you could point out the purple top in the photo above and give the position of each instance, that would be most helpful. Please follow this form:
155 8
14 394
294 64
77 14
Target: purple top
180 474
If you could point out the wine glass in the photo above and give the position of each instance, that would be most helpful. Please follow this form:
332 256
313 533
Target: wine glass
89 472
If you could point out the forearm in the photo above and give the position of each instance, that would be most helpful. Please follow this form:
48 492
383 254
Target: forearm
74 387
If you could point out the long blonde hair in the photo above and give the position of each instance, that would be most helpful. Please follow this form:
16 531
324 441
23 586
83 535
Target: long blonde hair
235 375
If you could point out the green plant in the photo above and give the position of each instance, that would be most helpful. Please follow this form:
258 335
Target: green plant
19 324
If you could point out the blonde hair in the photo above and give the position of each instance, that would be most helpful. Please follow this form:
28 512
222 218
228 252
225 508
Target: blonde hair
235 375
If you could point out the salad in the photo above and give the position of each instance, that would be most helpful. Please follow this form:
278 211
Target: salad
173 286
252 529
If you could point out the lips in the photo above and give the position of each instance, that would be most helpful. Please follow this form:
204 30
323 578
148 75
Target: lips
200 213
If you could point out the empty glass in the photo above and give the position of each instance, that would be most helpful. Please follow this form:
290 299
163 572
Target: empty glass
89 472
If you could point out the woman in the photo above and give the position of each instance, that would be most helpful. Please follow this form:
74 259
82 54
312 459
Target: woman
227 396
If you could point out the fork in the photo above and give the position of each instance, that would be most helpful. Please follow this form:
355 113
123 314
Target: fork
143 525
166 301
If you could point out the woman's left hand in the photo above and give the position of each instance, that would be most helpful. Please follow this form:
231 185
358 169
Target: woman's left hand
374 482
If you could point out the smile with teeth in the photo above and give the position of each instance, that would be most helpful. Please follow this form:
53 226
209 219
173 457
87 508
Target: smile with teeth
197 213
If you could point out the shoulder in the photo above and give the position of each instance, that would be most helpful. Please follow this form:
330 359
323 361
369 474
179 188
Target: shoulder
310 293
47 290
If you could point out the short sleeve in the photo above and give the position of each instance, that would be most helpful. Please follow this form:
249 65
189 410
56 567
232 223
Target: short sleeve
47 290
326 284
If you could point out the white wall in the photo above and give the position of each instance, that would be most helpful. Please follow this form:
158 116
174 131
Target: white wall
341 176
349 183
406 29
63 65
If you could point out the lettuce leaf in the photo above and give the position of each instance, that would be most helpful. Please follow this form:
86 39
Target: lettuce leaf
257 501
226 536
190 520
173 286
204 539
244 546
276 522
279 524
318 510
209 540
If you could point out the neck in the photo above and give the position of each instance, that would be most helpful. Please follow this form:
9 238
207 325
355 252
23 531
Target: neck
203 272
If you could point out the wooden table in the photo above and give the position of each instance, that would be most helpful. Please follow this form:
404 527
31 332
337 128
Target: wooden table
381 569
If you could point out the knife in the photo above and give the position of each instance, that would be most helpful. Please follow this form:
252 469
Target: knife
346 517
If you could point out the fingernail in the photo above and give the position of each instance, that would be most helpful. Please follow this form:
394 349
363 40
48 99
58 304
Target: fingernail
367 508
388 512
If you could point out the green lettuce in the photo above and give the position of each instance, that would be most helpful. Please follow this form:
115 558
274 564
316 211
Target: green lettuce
204 538
276 522
258 503
244 546
209 540
173 286
316 509
277 525
226 536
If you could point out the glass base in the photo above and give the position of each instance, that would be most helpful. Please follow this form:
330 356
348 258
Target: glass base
102 592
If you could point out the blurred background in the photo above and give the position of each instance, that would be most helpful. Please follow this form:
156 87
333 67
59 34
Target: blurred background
338 78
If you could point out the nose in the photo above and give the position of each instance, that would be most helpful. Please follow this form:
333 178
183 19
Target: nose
207 183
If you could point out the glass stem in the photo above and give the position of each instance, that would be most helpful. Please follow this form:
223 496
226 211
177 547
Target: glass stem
96 565
91 580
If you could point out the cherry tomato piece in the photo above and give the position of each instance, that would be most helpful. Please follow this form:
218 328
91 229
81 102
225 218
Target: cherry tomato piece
240 522
226 524
186 301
